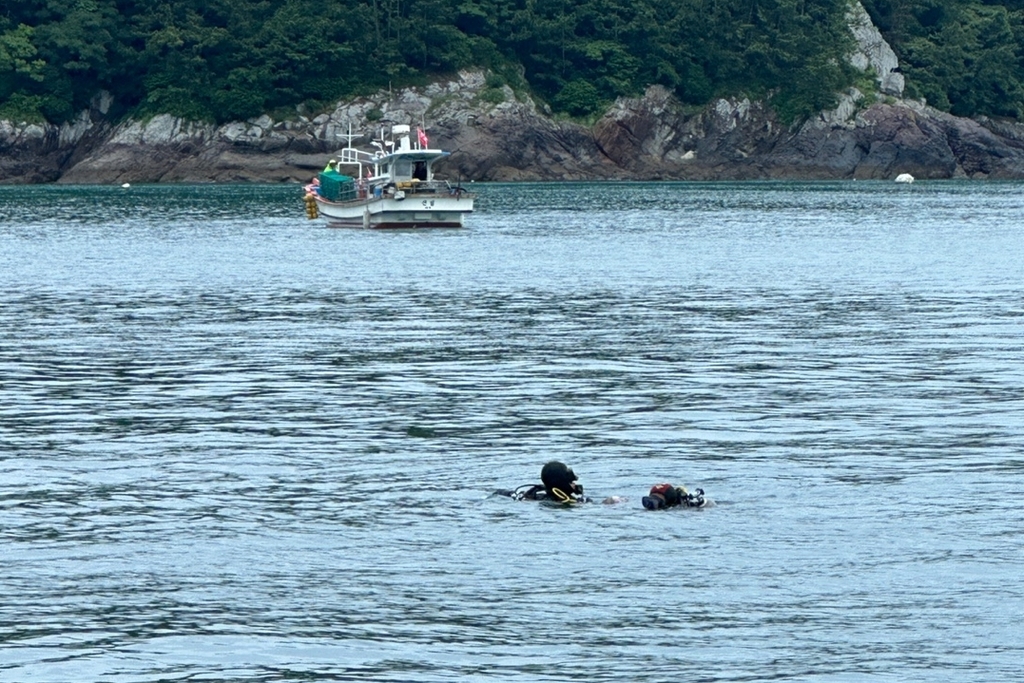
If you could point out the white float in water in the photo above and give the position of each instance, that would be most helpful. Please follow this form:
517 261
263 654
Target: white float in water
904 178
126 185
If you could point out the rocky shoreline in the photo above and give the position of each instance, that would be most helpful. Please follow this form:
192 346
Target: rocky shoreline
647 138
496 134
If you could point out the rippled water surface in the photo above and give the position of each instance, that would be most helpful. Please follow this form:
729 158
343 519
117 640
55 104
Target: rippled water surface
237 445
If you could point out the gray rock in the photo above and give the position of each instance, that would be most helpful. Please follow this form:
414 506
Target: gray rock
873 52
649 137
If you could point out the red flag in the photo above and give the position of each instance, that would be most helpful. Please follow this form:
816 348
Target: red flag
422 137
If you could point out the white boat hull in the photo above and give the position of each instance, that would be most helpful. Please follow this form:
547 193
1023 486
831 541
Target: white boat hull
416 211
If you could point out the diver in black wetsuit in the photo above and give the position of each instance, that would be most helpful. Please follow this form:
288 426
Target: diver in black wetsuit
668 496
560 486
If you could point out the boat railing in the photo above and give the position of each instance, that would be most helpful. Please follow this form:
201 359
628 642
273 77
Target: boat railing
351 155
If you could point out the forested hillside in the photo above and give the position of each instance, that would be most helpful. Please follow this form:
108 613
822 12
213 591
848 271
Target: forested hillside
965 57
223 60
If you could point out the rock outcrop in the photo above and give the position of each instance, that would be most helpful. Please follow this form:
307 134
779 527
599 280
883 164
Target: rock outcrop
873 52
743 140
649 137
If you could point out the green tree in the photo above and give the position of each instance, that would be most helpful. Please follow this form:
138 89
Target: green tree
231 59
962 57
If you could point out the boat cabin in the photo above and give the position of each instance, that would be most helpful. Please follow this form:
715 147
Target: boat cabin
400 162
398 166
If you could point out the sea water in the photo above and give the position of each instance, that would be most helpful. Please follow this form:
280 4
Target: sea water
239 445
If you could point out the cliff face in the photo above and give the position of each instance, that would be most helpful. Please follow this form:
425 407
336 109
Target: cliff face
650 137
495 135
742 140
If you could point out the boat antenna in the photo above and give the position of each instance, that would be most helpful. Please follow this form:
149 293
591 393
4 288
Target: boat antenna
383 138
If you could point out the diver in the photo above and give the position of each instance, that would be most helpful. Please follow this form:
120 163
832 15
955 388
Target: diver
560 485
668 496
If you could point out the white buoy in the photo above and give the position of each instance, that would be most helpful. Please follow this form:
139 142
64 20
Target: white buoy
126 185
904 178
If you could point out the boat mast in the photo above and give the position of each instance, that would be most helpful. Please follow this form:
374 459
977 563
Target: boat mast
350 155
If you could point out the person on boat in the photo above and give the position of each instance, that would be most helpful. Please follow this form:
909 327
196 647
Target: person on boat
667 496
560 485
332 166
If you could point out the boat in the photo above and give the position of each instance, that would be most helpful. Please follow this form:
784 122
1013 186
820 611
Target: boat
391 187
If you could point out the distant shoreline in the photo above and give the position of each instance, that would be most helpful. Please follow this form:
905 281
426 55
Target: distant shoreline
641 139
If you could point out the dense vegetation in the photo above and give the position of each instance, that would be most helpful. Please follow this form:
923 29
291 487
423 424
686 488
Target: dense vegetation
234 59
966 57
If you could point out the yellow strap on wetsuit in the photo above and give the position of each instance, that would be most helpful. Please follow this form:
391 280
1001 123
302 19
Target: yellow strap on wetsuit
562 496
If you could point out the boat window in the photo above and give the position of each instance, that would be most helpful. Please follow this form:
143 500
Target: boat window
420 170
403 169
